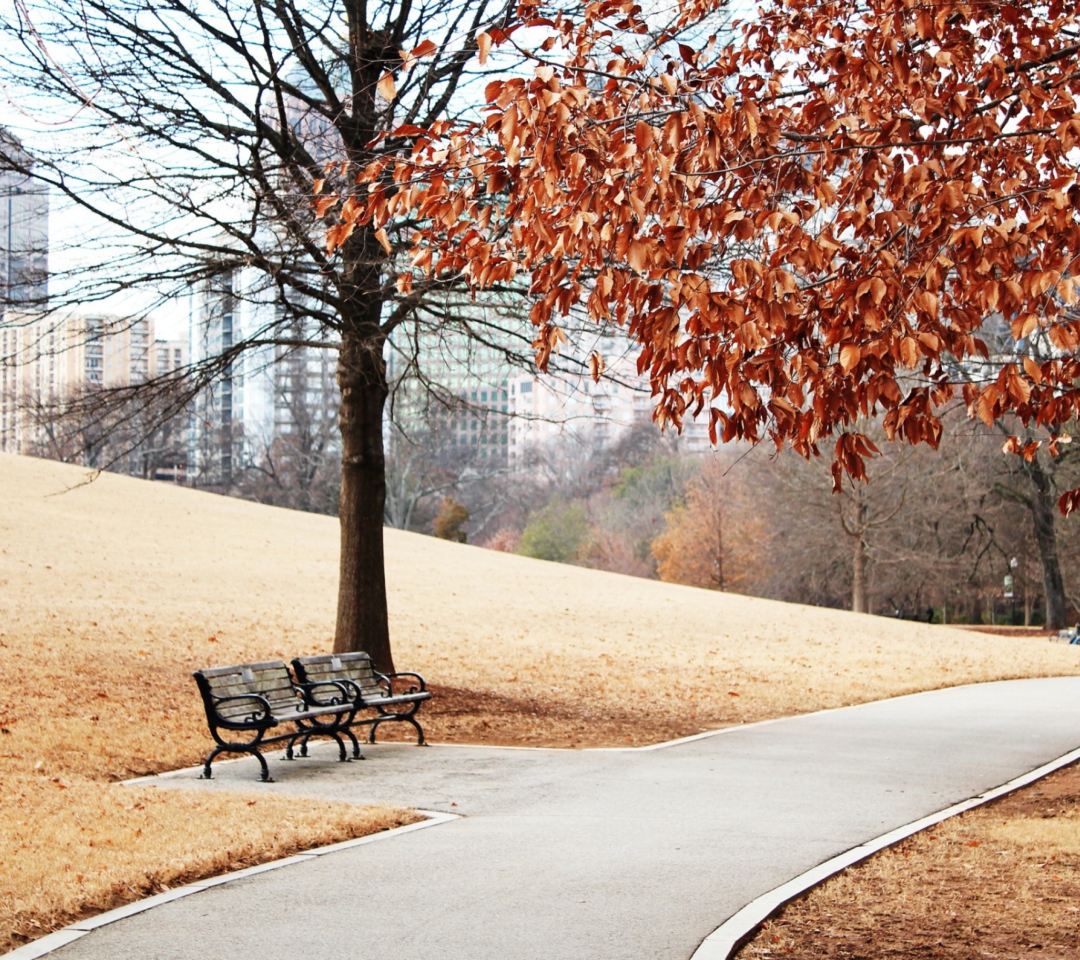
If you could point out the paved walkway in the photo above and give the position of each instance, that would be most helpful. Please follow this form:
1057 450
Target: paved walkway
600 855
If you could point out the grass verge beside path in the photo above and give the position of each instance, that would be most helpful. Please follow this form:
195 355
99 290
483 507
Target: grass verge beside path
73 847
996 883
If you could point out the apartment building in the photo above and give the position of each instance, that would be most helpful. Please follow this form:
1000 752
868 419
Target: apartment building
24 230
304 391
47 359
217 431
499 411
571 406
455 384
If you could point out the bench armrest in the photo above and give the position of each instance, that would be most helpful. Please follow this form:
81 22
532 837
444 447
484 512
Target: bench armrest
333 693
391 677
260 716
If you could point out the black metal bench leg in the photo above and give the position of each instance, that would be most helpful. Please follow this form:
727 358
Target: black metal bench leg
374 727
217 751
420 741
357 755
265 778
289 747
343 757
211 757
398 718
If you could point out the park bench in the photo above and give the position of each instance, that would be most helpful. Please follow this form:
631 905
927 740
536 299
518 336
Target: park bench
1068 635
369 689
253 698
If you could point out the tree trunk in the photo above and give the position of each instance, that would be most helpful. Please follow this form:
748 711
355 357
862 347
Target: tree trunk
858 576
1042 515
362 613
975 608
719 542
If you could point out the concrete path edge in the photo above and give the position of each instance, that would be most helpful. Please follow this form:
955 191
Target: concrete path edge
734 932
61 938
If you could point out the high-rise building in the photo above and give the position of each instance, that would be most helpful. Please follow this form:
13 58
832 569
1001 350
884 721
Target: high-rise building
217 434
499 411
549 408
304 389
293 387
449 376
24 230
47 361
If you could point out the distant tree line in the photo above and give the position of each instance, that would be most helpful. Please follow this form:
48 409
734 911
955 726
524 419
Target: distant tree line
941 535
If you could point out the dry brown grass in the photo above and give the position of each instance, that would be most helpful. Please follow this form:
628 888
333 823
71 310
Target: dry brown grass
113 592
997 883
71 847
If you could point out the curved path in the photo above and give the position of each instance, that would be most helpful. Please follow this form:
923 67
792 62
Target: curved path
600 854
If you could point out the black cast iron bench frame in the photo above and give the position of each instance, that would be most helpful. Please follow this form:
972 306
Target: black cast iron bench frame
260 696
368 690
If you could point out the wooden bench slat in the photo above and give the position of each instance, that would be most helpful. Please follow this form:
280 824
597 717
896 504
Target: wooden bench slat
269 682
210 672
264 689
264 679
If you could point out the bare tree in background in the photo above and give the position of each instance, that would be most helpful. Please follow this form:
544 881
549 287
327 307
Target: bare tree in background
1033 481
931 529
192 136
91 428
298 464
430 462
826 543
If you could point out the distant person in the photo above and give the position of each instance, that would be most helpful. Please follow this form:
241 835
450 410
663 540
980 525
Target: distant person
929 614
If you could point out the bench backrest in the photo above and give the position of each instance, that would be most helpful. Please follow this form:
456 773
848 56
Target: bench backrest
356 667
270 680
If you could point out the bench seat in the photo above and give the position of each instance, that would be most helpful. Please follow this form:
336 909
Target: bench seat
369 689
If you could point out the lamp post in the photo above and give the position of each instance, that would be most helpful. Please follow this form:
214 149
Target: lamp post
1010 593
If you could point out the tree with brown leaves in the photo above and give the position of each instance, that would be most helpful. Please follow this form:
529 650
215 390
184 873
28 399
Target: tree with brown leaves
802 224
715 538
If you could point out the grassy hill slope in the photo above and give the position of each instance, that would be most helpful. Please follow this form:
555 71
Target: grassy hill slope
162 579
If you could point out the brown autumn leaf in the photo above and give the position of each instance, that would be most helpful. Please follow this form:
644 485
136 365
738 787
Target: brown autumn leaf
596 366
909 352
1069 501
425 49
483 46
323 204
386 87
638 256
